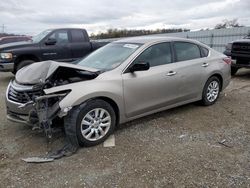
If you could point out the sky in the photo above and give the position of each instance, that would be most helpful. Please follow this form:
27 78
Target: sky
33 16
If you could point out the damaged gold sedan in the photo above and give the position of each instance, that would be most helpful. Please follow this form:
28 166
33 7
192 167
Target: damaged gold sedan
119 82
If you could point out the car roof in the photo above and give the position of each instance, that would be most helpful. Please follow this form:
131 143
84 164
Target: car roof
65 28
151 39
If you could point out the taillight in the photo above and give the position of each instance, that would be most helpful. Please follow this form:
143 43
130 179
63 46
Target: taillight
227 60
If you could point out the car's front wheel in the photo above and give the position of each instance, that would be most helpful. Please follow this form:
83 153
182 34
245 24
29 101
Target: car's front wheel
211 91
95 121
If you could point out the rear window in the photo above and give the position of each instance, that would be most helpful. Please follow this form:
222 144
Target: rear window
186 51
77 36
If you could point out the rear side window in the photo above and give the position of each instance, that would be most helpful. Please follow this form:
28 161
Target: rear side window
77 36
186 51
158 54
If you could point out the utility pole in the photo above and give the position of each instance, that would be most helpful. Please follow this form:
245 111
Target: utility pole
3 28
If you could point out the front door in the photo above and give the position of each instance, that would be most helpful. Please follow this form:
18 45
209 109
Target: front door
145 91
60 50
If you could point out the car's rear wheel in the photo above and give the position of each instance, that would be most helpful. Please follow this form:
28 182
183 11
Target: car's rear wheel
95 121
211 91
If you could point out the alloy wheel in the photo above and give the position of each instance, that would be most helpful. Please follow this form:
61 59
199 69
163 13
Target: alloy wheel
95 124
213 91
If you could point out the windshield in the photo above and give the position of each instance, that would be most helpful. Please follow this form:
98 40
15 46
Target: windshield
40 36
109 56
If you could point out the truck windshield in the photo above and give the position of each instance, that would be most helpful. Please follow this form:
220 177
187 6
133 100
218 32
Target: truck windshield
40 36
109 56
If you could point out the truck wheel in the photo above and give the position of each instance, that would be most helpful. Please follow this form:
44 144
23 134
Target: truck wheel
95 120
234 70
211 91
23 64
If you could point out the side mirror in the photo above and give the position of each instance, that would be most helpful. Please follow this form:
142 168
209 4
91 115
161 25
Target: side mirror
139 67
50 41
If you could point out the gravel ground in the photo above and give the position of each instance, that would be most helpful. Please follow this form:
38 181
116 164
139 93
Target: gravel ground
174 148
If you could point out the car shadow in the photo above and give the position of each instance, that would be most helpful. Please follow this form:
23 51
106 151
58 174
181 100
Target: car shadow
158 115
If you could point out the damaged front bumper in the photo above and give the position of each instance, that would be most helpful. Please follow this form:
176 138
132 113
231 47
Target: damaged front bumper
29 105
15 98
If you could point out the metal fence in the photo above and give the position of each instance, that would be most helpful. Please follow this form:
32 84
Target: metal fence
216 38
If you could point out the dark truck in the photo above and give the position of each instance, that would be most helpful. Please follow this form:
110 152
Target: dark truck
63 45
239 51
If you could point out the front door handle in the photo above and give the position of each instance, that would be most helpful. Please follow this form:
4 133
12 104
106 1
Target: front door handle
205 65
171 73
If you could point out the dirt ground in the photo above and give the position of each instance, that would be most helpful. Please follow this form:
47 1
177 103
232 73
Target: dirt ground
174 148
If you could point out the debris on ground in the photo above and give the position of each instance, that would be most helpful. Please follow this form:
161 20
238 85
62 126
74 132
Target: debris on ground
183 135
110 142
222 142
70 147
37 159
67 150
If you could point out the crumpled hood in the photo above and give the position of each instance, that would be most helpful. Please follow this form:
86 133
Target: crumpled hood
38 72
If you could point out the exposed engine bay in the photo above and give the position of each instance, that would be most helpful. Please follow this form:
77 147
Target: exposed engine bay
65 75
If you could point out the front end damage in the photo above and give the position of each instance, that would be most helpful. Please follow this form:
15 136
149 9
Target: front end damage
27 102
31 106
45 109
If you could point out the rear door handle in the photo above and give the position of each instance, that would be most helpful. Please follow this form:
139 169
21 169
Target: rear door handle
171 73
205 65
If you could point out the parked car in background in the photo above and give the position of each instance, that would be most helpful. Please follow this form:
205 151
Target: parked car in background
119 82
239 51
64 45
10 39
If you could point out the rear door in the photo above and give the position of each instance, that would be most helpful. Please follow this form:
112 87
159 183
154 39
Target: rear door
80 44
145 91
60 51
190 68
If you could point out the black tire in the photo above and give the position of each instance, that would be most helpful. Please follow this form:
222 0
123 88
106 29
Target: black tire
205 101
234 70
23 64
77 114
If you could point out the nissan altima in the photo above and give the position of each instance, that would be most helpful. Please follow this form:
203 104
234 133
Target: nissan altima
122 81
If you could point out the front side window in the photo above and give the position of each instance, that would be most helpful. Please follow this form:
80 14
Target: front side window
186 51
60 36
158 54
